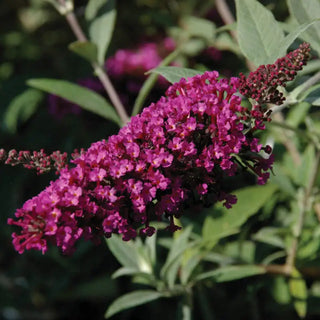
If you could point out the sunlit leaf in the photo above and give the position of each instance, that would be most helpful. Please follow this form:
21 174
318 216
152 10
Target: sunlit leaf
304 12
174 74
188 267
259 34
221 222
124 251
280 290
101 15
288 40
299 293
178 247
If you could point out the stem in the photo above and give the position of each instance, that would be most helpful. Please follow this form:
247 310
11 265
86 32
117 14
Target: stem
107 84
186 307
290 262
99 71
283 270
75 26
226 15
151 80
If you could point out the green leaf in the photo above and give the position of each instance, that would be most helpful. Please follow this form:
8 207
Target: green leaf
188 267
21 108
132 299
174 74
280 290
101 15
303 172
282 180
297 114
172 271
193 47
150 245
260 35
179 245
244 251
221 222
199 27
304 12
85 98
282 50
231 273
227 27
125 252
309 244
299 293
312 95
85 49
270 235
125 271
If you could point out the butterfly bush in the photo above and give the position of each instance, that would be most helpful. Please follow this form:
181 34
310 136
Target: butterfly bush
176 153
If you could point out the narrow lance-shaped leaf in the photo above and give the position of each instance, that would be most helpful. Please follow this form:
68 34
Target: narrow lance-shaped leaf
125 252
299 293
22 108
179 245
222 222
101 15
85 49
132 299
85 98
231 273
288 40
259 34
304 12
174 74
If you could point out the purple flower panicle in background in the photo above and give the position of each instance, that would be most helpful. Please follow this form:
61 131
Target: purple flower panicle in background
261 85
137 61
176 153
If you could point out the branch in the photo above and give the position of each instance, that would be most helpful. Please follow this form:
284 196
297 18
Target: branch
99 71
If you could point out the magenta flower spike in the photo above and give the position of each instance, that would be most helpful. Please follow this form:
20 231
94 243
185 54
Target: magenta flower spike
176 153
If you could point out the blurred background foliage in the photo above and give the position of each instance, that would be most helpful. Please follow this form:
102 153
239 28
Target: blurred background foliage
33 43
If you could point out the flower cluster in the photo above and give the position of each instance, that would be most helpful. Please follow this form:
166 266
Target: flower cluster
37 160
176 153
136 62
261 85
